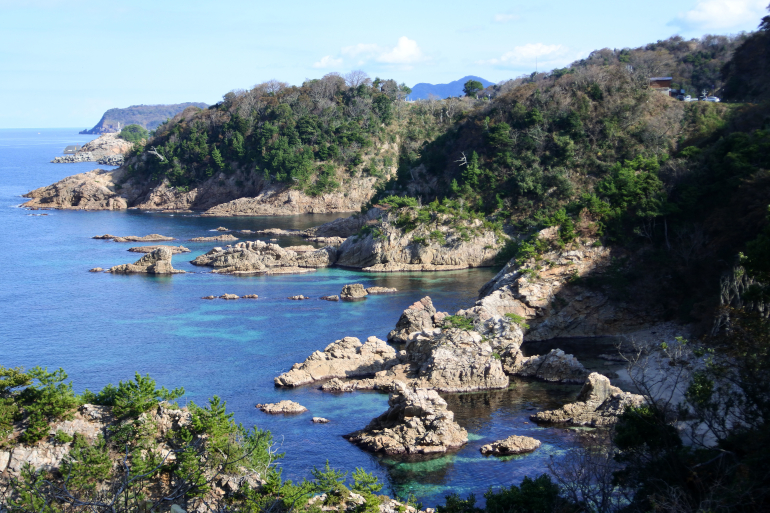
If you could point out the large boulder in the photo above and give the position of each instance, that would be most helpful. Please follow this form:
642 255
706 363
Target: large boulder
598 404
455 360
155 262
416 318
345 358
284 406
416 422
556 366
511 445
353 291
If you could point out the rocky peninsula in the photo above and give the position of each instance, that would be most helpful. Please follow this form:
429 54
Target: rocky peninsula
107 149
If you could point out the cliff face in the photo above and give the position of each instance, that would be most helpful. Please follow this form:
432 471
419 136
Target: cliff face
556 297
220 195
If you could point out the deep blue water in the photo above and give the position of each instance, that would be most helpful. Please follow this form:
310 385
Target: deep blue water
103 328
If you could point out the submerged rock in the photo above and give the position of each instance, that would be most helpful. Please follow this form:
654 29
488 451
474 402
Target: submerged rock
511 445
284 406
417 422
330 298
155 262
599 404
96 270
341 359
353 291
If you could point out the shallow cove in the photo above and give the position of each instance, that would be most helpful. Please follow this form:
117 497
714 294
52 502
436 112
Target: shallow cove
102 328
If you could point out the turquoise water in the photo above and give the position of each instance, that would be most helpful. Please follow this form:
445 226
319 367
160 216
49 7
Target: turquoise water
102 328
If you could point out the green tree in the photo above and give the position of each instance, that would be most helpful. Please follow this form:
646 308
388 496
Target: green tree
134 133
472 87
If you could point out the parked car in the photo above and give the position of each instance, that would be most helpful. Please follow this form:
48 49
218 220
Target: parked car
713 99
688 98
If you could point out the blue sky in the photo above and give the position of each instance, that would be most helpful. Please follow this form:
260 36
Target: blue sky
63 63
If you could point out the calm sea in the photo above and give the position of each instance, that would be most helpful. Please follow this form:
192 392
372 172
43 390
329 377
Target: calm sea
102 328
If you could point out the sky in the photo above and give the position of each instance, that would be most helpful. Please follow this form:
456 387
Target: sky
63 63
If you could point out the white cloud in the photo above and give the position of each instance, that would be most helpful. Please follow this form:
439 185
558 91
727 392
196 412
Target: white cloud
327 62
722 15
526 55
505 18
361 50
405 52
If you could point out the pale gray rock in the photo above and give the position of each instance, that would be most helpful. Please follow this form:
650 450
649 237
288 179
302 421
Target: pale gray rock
229 296
353 291
155 262
381 290
298 298
153 237
511 445
215 238
416 422
147 249
343 358
320 420
599 404
330 298
284 406
416 318
96 270
556 366
263 257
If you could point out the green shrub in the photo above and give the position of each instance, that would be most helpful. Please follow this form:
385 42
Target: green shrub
62 438
132 398
518 319
459 321
134 133
88 464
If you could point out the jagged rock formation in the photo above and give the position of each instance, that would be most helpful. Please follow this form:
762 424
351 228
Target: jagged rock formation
105 149
341 359
258 256
416 318
552 300
599 404
284 406
353 291
94 190
435 356
155 262
417 422
148 249
511 445
555 366
384 247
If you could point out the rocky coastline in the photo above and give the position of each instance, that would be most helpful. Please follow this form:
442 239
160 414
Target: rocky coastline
107 149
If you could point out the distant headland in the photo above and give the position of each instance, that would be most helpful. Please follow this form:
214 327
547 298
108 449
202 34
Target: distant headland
148 116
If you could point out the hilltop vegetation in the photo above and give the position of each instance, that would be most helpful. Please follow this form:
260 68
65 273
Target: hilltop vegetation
146 116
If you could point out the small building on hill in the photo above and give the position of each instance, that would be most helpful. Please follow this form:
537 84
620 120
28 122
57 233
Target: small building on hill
661 84
71 149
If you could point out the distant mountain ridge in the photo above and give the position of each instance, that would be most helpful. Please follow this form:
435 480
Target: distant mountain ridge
148 116
422 90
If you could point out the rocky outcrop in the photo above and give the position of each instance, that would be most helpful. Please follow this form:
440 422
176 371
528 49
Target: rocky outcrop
381 290
284 406
447 244
599 404
416 422
153 237
416 318
345 358
262 257
435 356
94 190
344 227
320 420
155 262
511 445
555 366
149 249
106 149
353 291
330 298
549 295
217 238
